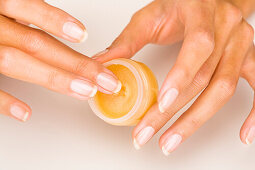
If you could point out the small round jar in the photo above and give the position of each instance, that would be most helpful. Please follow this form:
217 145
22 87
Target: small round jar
138 93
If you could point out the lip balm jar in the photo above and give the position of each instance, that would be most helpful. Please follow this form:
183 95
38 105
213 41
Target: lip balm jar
138 93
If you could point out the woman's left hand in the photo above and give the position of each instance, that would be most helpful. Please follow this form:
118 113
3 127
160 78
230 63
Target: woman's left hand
217 48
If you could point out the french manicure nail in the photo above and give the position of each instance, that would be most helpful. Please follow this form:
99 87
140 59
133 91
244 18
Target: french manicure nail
74 31
167 99
108 82
250 135
143 137
100 53
19 112
83 88
171 144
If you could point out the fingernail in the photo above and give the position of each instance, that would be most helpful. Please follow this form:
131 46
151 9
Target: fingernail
108 82
99 54
19 112
74 31
171 144
143 137
250 135
83 88
167 99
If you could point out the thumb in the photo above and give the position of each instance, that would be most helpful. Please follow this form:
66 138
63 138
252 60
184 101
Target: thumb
133 38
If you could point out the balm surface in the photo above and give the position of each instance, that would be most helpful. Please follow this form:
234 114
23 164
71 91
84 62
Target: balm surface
138 93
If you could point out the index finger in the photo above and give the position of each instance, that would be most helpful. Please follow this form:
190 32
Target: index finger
47 49
197 46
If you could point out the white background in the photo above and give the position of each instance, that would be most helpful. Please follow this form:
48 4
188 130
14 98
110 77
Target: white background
63 133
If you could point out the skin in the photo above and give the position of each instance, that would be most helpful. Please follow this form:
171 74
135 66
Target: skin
34 56
246 6
217 50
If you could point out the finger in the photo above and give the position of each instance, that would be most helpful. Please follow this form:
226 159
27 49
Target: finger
10 106
197 46
185 69
45 16
157 120
52 52
135 36
18 65
247 132
219 91
22 22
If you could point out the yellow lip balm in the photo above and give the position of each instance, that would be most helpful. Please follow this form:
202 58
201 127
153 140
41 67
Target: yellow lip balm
138 92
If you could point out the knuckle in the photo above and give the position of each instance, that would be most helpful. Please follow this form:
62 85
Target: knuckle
237 14
52 79
6 6
201 80
234 13
248 31
140 17
245 70
247 67
34 41
5 55
195 122
226 85
83 66
184 73
206 38
137 15
166 115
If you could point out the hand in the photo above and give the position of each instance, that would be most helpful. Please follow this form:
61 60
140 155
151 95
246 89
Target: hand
216 41
34 56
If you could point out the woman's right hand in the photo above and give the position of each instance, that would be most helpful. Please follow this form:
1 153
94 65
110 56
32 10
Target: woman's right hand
32 55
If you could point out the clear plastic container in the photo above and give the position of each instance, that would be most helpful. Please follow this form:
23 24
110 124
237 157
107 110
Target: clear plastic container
147 89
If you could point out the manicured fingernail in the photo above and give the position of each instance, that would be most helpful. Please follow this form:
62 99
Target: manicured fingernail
108 82
74 31
19 112
143 137
167 99
99 54
83 88
171 144
250 136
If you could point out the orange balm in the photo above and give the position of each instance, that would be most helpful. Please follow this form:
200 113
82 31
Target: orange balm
138 93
